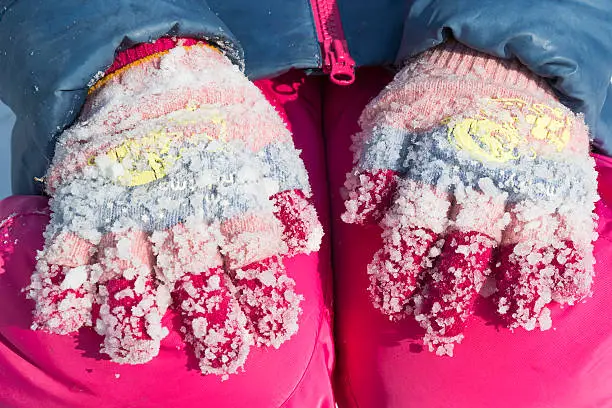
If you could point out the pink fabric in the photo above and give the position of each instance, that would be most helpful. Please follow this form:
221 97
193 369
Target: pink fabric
382 363
454 58
143 50
38 369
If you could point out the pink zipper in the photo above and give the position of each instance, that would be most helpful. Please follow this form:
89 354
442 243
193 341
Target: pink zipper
337 61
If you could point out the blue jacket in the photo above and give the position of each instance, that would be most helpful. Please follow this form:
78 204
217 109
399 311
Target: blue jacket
51 50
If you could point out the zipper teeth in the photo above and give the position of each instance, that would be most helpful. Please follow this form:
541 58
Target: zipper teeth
327 16
329 26
317 18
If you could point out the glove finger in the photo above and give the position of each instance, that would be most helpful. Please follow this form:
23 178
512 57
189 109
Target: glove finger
212 321
265 292
368 196
129 312
523 269
446 302
267 296
410 230
540 259
60 285
574 258
302 230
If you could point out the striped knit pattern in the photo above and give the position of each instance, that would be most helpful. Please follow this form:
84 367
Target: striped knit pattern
179 186
470 164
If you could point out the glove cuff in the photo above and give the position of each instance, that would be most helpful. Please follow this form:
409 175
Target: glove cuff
453 59
143 50
140 53
454 81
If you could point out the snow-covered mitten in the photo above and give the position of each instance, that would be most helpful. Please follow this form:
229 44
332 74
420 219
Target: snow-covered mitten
178 186
470 164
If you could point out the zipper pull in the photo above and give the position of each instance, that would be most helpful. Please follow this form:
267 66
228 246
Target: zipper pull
338 62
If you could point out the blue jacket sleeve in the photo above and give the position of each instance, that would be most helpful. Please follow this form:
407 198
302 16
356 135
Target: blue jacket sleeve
567 41
51 50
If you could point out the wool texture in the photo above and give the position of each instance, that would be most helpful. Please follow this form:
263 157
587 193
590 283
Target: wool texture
178 187
476 173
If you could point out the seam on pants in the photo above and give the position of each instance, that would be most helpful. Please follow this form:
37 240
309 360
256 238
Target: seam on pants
314 349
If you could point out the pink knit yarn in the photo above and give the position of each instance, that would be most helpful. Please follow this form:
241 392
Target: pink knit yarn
495 138
143 50
189 193
457 76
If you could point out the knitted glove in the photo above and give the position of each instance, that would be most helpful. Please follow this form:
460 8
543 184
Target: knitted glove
460 155
178 186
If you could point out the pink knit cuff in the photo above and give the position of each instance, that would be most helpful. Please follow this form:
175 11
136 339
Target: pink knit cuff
455 59
143 50
452 80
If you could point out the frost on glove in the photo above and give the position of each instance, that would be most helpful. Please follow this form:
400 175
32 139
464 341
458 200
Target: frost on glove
178 186
481 181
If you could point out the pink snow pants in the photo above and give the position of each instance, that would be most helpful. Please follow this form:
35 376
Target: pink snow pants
378 363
